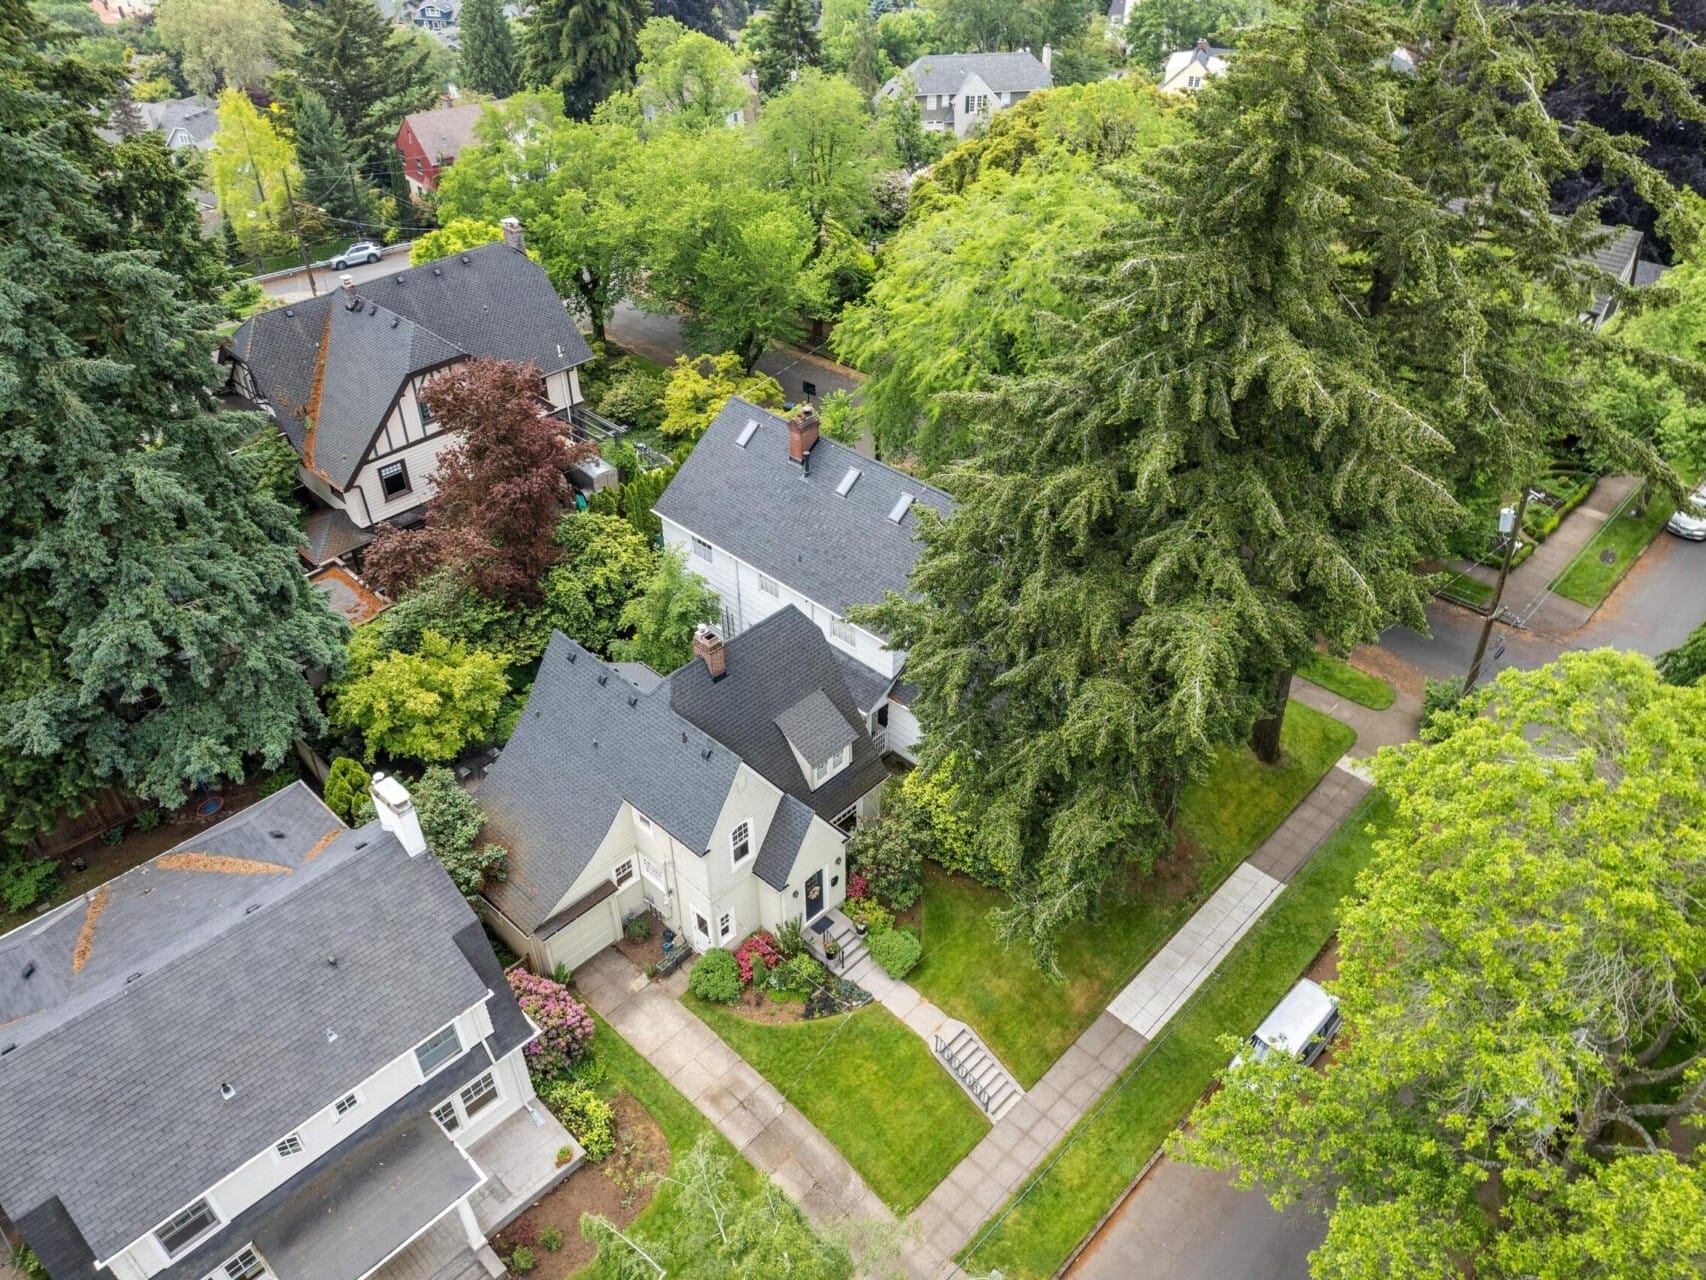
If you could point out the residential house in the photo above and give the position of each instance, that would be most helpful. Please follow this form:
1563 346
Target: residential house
183 122
434 15
1189 69
772 515
342 373
957 91
611 799
430 141
283 1049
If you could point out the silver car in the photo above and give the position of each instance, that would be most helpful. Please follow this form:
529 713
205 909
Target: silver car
1690 518
360 251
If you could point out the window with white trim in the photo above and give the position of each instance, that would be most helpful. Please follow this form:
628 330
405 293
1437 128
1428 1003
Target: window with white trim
701 548
445 1114
622 874
725 926
1193 82
740 843
841 629
346 1104
178 1232
438 1049
289 1146
768 586
822 773
977 103
246 1265
479 1095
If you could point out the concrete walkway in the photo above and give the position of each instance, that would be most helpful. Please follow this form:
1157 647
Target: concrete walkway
1398 724
748 1110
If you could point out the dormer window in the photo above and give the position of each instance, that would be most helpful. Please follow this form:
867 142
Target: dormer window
178 1232
740 843
437 1050
822 773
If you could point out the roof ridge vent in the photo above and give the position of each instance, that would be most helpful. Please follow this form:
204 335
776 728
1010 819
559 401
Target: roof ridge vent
902 505
603 677
633 699
466 258
705 754
746 432
573 655
848 481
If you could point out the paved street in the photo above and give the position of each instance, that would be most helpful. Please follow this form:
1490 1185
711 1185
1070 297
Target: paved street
295 287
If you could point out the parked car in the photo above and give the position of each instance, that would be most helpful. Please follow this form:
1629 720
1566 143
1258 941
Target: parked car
1302 1025
360 251
1690 518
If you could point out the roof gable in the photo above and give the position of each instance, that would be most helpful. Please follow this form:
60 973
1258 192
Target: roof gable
837 549
1003 72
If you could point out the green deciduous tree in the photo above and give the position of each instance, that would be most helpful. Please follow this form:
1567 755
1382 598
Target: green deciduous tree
253 166
700 386
157 625
429 705
785 43
491 62
606 563
584 49
456 236
817 141
225 44
661 619
687 80
1157 28
370 73
1520 977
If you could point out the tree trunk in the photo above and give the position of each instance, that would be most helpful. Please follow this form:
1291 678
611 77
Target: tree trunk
1265 737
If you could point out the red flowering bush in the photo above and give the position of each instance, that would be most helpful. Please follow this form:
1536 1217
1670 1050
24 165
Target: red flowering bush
858 886
565 1027
761 949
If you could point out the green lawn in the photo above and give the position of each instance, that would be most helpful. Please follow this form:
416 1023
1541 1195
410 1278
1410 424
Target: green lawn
1040 1227
1589 579
1467 590
871 1087
1338 676
682 1126
1028 1019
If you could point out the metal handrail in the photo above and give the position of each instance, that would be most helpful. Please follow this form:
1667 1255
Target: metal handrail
963 1073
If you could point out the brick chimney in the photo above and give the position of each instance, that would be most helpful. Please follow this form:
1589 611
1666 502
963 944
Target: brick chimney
708 644
397 813
348 283
514 237
802 434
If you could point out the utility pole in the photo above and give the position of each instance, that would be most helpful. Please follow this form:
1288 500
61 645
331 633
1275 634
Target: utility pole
296 223
1498 593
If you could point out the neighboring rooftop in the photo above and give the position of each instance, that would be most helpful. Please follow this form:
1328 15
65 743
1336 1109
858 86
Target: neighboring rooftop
154 976
444 132
197 117
793 523
332 366
936 73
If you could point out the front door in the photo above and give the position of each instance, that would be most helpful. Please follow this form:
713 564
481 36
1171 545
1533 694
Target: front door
701 933
814 894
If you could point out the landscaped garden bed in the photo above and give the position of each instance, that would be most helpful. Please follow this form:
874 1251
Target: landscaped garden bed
1028 1019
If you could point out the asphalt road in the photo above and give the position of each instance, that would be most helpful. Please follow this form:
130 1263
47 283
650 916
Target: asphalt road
295 287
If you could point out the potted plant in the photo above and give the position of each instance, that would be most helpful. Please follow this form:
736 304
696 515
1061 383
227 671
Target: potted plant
831 948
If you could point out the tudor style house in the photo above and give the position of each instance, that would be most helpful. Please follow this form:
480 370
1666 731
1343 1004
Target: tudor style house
282 1049
837 531
957 91
720 797
342 373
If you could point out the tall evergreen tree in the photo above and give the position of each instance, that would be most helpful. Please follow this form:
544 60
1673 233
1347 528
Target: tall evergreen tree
696 15
490 62
364 68
865 62
157 626
585 49
331 177
787 43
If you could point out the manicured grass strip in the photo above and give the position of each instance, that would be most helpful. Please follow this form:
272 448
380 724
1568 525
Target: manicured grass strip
1028 1019
1097 1160
1589 579
1467 590
682 1126
1338 676
871 1087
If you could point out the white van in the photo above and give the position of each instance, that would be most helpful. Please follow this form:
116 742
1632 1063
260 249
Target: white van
1301 1025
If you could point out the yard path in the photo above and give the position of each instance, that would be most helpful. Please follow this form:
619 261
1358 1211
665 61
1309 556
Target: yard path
749 1111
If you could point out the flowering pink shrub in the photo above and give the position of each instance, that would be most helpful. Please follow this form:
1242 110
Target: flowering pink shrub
564 1024
858 886
761 945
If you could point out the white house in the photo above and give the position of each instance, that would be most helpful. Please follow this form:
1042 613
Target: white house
957 91
1189 69
772 515
282 1049
610 798
342 373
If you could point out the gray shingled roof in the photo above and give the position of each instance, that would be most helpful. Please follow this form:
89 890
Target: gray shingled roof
1649 272
329 533
770 669
587 741
490 301
206 976
781 847
197 116
814 727
1002 72
869 688
758 505
443 133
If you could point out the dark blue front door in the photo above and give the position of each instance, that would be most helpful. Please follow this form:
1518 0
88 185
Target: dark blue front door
814 894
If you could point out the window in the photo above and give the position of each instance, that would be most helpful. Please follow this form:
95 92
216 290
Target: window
768 586
841 629
479 1095
185 1227
445 1114
394 479
291 1146
245 1266
346 1104
1193 82
829 768
740 843
725 926
643 822
437 1049
624 873
977 103
701 548
427 418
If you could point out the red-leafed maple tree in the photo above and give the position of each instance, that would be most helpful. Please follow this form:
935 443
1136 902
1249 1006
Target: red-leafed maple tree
500 487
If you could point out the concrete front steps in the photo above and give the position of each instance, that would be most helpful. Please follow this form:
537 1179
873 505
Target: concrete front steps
978 1071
